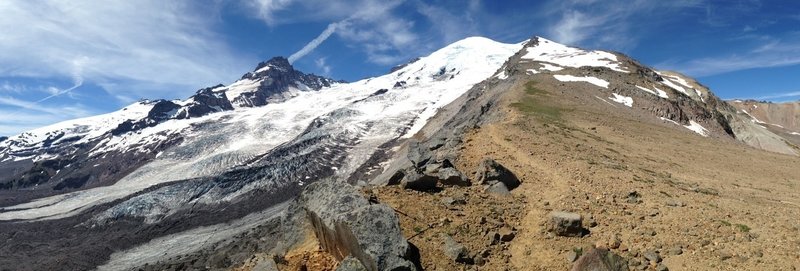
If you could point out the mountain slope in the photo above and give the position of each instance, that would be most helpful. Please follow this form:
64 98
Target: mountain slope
646 187
231 163
213 181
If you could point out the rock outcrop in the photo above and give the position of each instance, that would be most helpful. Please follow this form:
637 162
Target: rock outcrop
347 224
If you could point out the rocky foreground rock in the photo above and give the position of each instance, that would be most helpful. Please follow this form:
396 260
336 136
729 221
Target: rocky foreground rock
348 225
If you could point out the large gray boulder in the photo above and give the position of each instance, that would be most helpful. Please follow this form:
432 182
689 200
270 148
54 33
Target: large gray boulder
347 224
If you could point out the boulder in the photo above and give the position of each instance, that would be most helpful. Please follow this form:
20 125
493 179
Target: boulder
506 234
489 172
451 176
497 188
418 154
652 256
565 224
600 260
454 250
347 224
418 181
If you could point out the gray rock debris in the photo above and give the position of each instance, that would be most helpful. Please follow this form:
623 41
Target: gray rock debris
495 177
454 250
428 165
507 234
652 256
565 224
633 197
451 176
346 224
600 260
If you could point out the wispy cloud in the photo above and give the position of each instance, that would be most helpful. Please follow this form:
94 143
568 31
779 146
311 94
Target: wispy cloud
780 96
323 66
371 25
18 115
767 53
149 41
613 24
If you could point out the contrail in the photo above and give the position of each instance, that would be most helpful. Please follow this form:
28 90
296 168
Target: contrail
77 80
315 42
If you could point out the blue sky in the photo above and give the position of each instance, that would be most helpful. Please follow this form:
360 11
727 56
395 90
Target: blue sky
66 59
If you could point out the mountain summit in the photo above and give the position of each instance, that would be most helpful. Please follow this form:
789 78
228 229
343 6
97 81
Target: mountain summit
481 153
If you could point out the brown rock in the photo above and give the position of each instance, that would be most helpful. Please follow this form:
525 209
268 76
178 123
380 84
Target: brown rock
600 260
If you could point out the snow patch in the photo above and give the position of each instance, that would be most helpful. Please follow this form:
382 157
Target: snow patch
753 118
697 128
549 51
657 92
502 75
627 101
589 79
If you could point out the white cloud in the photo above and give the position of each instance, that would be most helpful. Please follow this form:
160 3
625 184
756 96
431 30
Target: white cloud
768 53
138 42
613 24
28 115
370 25
780 96
323 66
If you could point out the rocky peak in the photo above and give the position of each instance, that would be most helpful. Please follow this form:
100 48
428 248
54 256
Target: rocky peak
3 138
278 63
274 80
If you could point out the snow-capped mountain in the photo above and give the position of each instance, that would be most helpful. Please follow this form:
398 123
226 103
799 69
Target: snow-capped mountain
261 138
177 170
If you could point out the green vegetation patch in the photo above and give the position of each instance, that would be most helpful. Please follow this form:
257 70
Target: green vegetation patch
743 227
531 105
